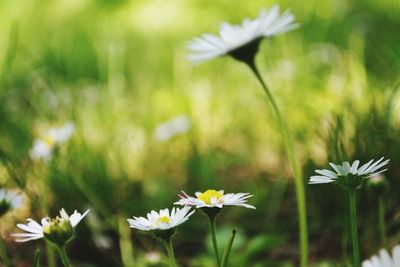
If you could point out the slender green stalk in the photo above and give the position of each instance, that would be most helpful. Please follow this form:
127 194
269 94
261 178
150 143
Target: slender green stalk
299 182
125 243
354 231
4 255
36 262
51 260
63 256
211 224
170 251
228 248
382 224
44 205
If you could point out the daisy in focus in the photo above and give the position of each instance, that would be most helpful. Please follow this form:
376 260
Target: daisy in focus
58 230
9 200
162 224
214 199
232 39
210 202
349 175
162 220
43 147
384 259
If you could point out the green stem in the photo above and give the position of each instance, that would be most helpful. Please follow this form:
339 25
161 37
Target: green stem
51 260
211 224
125 243
44 205
3 254
382 224
170 251
63 256
228 248
354 231
36 262
299 182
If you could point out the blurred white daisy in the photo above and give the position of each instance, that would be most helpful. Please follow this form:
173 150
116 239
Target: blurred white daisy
61 226
43 147
233 37
384 259
349 175
153 257
162 220
171 128
214 199
9 200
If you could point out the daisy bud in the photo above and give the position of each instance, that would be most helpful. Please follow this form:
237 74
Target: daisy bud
59 231
378 184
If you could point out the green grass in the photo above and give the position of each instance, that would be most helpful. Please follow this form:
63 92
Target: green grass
118 69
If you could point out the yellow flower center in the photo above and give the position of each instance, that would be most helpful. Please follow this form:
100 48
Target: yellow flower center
58 231
163 219
208 195
49 140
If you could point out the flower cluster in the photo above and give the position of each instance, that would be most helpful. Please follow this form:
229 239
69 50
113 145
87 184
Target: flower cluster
165 220
162 224
241 42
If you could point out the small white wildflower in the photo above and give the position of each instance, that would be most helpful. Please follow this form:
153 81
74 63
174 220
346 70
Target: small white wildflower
153 257
171 128
214 199
57 230
384 259
9 200
349 175
162 220
43 147
232 38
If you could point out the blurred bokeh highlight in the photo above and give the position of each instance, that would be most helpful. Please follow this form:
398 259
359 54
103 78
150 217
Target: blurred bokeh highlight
148 124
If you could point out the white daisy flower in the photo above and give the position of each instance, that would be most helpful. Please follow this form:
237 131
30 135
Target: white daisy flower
171 128
62 224
9 200
346 173
43 147
213 198
162 220
234 37
384 259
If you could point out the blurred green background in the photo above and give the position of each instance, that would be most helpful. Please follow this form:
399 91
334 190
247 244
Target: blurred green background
118 69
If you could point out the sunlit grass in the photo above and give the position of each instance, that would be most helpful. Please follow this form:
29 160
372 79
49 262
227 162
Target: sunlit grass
119 69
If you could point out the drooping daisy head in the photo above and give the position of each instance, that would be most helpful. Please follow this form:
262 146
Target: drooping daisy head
214 199
241 41
162 220
9 200
384 259
42 147
350 176
57 230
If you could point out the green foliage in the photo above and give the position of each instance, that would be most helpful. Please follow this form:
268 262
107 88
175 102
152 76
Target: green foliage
118 69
